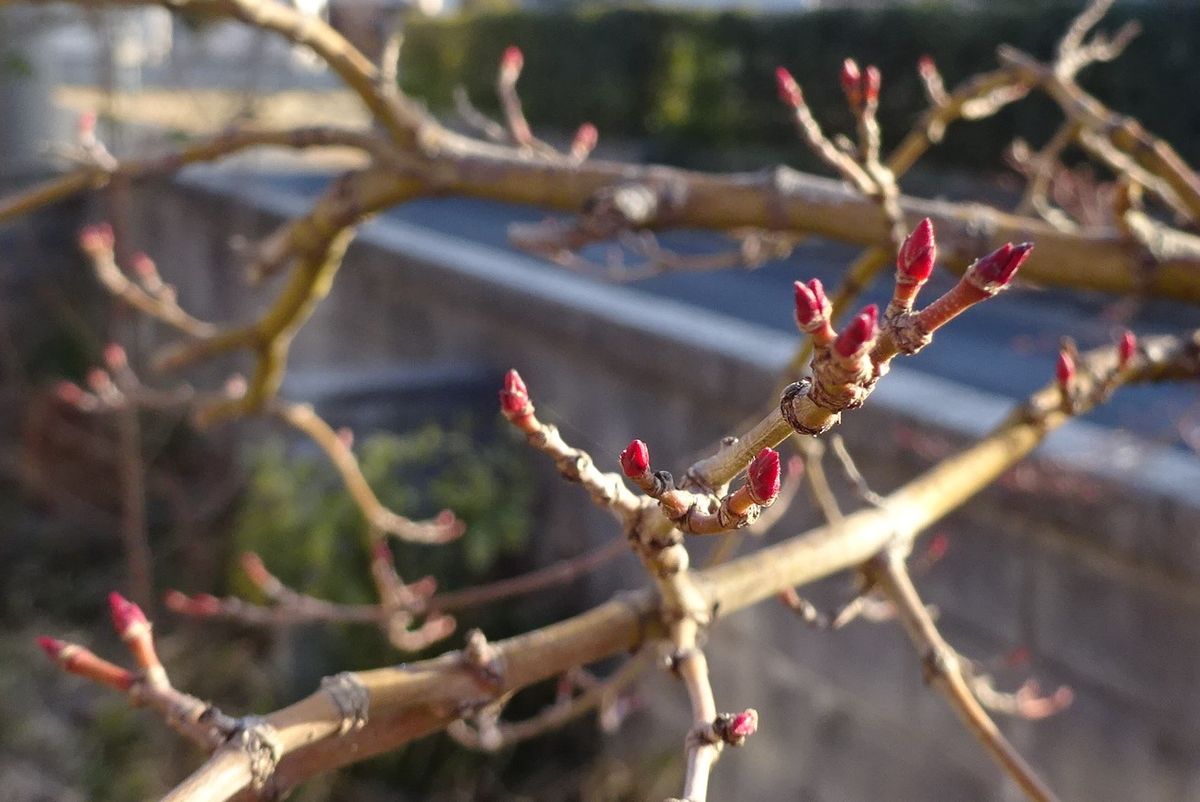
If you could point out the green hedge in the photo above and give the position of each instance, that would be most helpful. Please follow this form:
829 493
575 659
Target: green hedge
691 81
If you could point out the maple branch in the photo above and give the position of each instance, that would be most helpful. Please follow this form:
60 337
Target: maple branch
940 664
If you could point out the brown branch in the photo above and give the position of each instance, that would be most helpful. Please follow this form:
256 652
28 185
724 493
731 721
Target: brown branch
95 176
443 528
598 695
414 700
941 666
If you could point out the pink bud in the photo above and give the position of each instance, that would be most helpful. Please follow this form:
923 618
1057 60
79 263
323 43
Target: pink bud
635 459
585 141
763 476
69 393
511 63
86 125
514 398
938 546
871 81
860 333
789 90
926 66
143 265
996 270
115 357
175 600
125 614
97 239
811 304
1127 348
1064 371
53 647
851 80
917 254
255 569
744 724
345 436
236 386
98 380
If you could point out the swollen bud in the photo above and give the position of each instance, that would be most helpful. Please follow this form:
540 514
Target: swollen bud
859 334
143 266
812 306
635 459
917 254
1127 348
53 647
511 64
744 724
1064 371
871 81
763 476
789 90
851 79
126 616
97 240
115 357
584 142
514 398
995 271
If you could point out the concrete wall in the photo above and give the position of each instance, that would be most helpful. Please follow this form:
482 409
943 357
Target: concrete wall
1089 555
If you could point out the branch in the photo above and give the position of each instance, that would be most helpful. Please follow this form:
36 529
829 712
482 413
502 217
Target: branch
445 527
410 701
942 670
95 176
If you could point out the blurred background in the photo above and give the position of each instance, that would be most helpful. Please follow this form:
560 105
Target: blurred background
1082 568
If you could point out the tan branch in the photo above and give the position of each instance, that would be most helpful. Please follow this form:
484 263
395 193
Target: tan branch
942 670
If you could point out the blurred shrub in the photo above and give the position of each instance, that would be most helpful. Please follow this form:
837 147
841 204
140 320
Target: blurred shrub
693 81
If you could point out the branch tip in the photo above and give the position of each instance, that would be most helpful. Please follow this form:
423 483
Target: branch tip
789 90
764 477
635 459
915 259
860 334
1127 348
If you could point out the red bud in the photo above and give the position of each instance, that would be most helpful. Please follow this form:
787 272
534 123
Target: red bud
255 569
996 270
86 125
918 253
871 81
789 90
635 459
202 604
861 332
1064 371
126 616
514 398
811 304
511 63
97 239
851 80
585 141
744 724
81 661
1127 348
98 380
115 357
143 265
69 393
53 647
763 476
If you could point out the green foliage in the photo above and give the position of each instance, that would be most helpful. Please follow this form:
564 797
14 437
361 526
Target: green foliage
298 515
697 81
